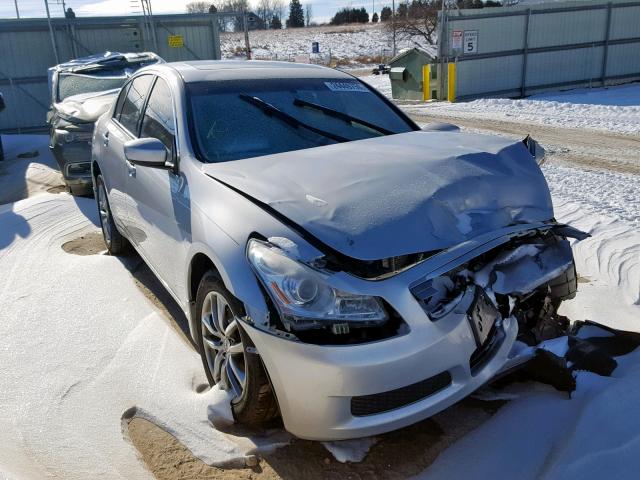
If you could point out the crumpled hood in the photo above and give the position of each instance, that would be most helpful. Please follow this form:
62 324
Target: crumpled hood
86 107
399 194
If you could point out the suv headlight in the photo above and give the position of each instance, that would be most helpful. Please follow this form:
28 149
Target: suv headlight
302 294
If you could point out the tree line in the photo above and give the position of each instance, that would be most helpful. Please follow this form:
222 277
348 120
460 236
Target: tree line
415 18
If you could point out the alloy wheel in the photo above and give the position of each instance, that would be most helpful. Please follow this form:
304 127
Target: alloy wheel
222 344
103 208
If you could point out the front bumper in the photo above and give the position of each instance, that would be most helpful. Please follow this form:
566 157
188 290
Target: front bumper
315 385
74 160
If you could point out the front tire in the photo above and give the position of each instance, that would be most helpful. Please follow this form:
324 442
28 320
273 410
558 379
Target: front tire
223 347
113 239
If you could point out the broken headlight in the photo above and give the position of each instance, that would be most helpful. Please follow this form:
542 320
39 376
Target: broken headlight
302 294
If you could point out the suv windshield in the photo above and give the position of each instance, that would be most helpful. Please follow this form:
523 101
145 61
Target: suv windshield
232 120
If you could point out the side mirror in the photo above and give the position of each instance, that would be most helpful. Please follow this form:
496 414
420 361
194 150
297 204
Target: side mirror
146 152
535 149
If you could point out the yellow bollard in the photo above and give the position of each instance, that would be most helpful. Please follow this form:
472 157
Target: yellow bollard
451 83
426 82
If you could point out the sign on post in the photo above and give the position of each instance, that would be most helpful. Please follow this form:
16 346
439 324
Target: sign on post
456 40
176 41
470 41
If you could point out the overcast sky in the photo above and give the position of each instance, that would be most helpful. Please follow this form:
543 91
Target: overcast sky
322 9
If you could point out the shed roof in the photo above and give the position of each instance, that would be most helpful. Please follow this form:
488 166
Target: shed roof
409 51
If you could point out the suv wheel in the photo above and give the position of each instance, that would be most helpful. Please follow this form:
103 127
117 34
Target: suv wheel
223 347
113 239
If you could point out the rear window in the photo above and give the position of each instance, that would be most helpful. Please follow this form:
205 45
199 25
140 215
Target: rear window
230 121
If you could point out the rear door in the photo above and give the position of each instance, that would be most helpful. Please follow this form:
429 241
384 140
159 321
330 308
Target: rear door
122 127
159 201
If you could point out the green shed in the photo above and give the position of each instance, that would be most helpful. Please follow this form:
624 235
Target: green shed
406 73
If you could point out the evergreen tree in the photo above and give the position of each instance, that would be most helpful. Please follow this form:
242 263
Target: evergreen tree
276 24
385 14
296 15
374 18
350 15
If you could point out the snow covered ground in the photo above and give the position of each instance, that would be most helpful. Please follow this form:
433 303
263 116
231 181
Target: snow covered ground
613 109
81 354
351 44
83 348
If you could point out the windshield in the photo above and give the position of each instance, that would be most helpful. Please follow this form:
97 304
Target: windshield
75 83
238 119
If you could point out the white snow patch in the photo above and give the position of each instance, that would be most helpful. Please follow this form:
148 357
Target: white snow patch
350 450
595 434
349 43
22 177
78 352
613 109
620 112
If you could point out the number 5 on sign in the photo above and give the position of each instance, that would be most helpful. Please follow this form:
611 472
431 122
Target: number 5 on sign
470 41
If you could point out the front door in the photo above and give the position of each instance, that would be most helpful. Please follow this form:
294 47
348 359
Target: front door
159 198
122 127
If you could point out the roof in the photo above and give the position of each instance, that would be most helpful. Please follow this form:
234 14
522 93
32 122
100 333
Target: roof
107 60
212 70
409 51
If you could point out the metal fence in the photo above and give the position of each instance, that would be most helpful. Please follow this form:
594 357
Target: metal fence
517 51
27 49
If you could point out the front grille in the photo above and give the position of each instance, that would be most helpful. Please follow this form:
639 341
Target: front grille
385 401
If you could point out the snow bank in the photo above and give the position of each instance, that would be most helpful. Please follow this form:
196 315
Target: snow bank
596 433
613 109
80 353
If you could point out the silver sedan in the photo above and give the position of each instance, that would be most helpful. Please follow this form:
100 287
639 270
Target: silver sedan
339 266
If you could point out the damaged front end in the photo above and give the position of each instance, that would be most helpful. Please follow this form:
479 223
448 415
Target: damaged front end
526 278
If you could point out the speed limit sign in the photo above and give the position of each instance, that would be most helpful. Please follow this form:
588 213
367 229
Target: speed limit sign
470 42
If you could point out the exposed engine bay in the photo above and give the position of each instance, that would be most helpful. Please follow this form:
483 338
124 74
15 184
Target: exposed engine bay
527 278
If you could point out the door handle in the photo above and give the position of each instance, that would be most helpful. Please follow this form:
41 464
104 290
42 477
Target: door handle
105 138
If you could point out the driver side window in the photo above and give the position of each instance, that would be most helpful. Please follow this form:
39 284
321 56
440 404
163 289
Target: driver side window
129 116
158 120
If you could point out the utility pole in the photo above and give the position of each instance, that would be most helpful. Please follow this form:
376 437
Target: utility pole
53 36
393 25
150 26
246 33
17 11
442 36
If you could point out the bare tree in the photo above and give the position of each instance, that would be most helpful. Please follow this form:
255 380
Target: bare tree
265 10
198 7
308 14
418 19
279 8
236 6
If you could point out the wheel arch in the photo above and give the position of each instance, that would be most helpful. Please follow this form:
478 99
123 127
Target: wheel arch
234 271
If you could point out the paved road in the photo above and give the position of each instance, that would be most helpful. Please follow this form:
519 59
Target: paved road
591 149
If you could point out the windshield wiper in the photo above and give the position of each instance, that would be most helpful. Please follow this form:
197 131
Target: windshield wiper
342 116
275 112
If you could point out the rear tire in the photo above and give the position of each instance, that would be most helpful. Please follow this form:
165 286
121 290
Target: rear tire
116 244
223 343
